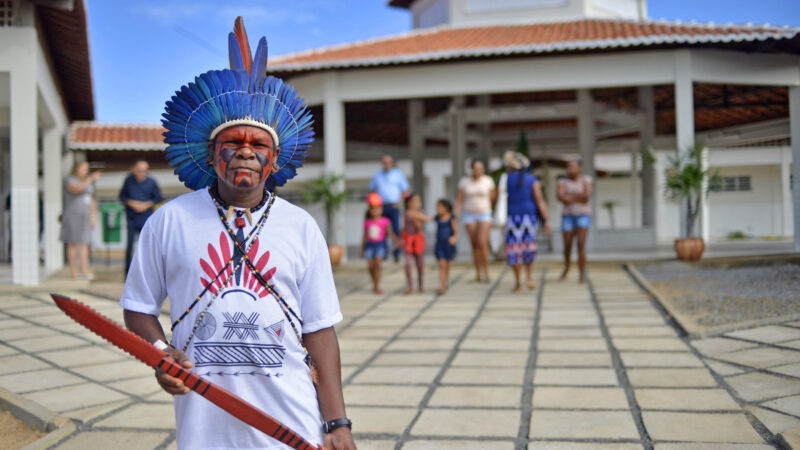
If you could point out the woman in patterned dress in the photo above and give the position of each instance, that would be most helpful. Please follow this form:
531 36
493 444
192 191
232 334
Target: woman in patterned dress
525 204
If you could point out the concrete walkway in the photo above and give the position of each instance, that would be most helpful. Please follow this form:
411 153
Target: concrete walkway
566 366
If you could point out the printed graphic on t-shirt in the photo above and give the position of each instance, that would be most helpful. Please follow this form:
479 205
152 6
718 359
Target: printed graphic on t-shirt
245 280
276 329
236 331
374 232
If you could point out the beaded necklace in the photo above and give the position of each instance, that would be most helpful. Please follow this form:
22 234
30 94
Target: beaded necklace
285 307
254 233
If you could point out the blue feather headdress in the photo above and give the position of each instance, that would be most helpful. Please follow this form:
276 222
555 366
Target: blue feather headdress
243 94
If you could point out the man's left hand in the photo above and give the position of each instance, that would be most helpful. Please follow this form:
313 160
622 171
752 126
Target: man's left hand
340 439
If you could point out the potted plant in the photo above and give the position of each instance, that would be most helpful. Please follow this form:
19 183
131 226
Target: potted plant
686 183
323 189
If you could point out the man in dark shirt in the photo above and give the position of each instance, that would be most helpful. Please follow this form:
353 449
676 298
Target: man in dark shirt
139 194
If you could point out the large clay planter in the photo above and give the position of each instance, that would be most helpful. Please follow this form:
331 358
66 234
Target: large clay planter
690 249
336 252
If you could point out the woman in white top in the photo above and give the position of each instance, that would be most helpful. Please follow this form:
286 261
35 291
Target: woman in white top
575 192
474 203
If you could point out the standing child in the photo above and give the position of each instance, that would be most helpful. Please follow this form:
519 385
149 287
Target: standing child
373 244
414 238
446 238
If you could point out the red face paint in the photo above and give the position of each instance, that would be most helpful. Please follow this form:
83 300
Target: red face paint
243 156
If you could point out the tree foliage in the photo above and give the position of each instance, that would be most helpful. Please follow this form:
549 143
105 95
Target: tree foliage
687 182
324 189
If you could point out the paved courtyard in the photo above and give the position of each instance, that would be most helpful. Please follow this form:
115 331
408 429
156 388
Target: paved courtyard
572 366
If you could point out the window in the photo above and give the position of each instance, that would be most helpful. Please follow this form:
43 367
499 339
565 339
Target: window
6 13
732 183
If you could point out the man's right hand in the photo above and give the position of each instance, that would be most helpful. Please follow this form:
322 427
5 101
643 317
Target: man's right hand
169 383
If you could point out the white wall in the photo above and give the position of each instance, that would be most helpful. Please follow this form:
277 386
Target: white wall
428 13
755 212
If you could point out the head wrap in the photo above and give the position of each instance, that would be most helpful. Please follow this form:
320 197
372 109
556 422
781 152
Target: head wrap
515 160
241 95
373 199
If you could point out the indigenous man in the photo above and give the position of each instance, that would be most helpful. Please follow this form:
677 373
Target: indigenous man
251 291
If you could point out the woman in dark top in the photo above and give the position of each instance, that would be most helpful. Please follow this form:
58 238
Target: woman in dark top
525 203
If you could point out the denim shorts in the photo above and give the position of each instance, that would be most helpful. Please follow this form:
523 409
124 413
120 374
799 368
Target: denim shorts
468 217
374 250
569 223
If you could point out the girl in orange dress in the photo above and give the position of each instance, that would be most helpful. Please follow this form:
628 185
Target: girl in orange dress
414 239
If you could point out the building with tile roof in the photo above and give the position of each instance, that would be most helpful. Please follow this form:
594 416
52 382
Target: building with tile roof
594 79
45 83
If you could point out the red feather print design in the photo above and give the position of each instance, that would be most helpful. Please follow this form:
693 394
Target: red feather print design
217 259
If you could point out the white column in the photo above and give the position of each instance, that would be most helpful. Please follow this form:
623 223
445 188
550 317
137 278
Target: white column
437 188
586 140
416 145
794 124
634 187
787 215
548 187
24 172
646 134
457 142
53 248
684 114
334 144
703 216
485 131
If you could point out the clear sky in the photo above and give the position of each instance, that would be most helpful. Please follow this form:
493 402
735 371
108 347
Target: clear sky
143 50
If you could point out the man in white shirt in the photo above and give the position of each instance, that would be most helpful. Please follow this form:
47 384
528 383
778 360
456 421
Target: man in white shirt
252 297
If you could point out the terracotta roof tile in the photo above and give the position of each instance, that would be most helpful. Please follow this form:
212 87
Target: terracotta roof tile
446 42
115 136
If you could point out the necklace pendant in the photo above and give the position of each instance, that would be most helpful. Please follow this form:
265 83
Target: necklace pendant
240 222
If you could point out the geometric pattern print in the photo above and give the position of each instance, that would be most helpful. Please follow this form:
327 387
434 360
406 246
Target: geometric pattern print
244 327
217 260
520 239
276 329
236 354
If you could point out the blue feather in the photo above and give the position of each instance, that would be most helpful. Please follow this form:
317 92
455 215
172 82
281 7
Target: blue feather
259 69
235 53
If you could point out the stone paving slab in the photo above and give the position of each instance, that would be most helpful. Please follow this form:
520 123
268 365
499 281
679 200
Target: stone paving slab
457 445
143 415
579 398
551 445
700 427
685 399
476 396
671 378
583 424
566 366
466 422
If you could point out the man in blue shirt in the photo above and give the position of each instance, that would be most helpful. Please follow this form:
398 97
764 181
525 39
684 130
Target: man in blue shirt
139 194
392 186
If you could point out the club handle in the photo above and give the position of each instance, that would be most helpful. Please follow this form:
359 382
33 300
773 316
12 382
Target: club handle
189 378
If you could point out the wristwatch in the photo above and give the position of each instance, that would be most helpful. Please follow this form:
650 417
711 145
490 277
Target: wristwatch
331 425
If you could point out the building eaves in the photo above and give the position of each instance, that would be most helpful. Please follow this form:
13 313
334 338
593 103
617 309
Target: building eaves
390 50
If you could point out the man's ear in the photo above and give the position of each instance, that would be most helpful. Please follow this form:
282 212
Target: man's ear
275 167
210 156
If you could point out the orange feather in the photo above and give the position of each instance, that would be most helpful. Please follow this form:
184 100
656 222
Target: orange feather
244 44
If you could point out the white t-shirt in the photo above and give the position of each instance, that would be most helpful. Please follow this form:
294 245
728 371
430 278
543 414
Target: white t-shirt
244 342
477 194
